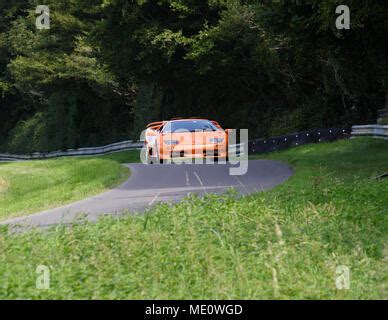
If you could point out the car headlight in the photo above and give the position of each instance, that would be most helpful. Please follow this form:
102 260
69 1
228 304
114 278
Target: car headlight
170 142
216 140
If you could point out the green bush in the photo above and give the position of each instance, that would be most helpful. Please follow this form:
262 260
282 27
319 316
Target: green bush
29 135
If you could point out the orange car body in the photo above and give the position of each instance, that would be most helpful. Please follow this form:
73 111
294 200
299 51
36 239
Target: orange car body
185 138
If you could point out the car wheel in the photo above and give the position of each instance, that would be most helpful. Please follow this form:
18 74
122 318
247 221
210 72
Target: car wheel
157 157
147 156
158 160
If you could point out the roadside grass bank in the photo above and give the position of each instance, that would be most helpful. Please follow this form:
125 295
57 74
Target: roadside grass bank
289 243
33 186
129 156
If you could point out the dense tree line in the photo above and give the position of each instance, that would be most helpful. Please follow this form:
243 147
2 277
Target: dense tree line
55 91
105 68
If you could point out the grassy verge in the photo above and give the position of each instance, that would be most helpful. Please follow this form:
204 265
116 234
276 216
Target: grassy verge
130 156
286 243
27 187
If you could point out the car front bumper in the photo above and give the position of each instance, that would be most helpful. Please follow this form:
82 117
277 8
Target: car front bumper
194 151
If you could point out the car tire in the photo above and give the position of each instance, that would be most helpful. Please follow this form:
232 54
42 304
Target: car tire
158 160
148 157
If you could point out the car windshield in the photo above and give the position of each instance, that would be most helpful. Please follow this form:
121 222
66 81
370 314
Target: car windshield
189 126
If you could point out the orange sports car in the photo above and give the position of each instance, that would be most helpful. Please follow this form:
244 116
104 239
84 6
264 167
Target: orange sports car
185 138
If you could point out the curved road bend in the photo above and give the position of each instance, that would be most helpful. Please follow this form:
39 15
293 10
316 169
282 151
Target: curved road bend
150 184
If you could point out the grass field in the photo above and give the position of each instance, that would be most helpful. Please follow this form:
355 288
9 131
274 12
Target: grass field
27 187
130 156
285 243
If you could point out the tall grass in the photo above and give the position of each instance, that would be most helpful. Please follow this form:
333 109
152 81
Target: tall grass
27 187
285 243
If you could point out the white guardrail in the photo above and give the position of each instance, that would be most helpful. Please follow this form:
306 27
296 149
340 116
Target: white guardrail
111 148
237 149
375 130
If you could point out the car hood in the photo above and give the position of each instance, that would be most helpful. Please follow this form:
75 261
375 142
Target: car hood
196 138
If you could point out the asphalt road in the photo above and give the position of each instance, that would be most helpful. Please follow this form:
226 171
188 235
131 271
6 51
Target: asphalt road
150 184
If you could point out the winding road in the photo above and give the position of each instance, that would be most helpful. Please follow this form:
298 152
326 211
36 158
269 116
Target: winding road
150 184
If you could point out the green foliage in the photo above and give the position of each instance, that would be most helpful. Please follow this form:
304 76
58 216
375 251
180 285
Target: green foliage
66 87
147 107
29 135
282 244
325 64
269 66
239 61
